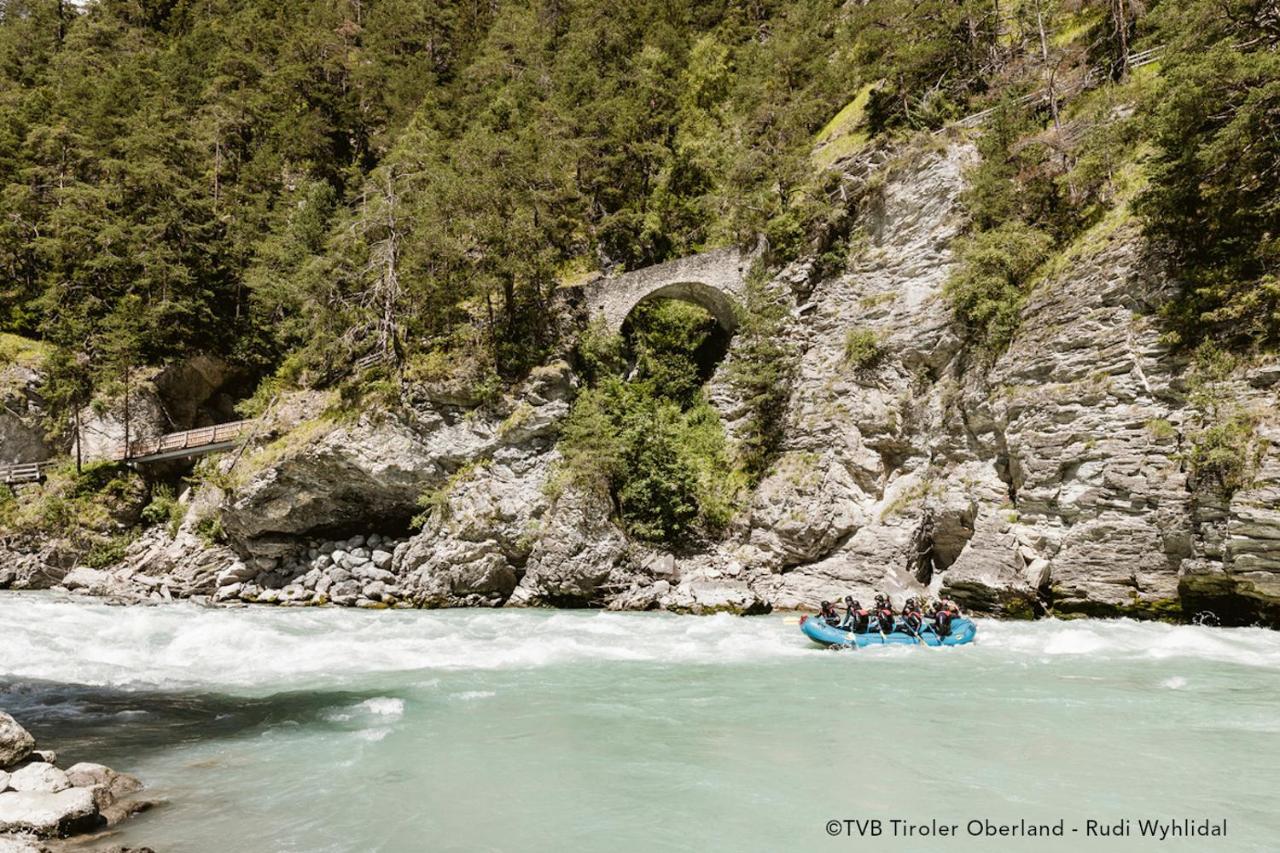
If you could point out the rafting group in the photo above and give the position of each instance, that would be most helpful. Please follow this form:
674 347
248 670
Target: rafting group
917 623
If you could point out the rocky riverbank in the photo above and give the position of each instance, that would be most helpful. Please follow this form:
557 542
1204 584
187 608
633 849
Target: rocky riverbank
1058 479
41 803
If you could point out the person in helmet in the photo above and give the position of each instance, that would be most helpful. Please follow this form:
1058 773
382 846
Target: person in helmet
884 614
912 617
945 613
856 619
828 614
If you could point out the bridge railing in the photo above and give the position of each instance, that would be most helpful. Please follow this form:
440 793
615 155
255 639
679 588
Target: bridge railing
191 439
25 472
1092 76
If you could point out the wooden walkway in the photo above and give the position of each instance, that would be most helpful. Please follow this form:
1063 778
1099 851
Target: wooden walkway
191 442
175 445
1136 60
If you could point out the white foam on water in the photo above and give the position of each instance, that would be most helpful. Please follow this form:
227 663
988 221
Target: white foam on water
472 695
1127 639
384 706
79 641
1176 682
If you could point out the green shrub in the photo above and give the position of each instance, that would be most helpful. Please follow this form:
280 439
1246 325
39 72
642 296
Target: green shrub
862 348
666 336
106 552
209 528
653 443
1224 450
668 469
164 508
1224 455
987 288
599 351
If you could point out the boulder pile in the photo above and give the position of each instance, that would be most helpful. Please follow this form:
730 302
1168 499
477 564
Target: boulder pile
40 801
355 572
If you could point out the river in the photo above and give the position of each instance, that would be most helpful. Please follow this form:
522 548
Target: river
342 730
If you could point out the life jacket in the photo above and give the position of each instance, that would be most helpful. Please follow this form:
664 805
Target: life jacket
942 622
885 616
859 620
913 619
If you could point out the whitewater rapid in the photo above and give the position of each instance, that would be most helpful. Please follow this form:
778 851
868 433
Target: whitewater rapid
258 648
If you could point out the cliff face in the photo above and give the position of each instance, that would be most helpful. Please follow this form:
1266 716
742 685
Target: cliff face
1052 480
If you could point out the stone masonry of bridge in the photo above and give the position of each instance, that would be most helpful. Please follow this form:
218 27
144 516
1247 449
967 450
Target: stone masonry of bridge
716 280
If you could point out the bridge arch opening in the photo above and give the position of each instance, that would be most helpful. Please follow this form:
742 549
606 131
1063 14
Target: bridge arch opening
676 343
713 300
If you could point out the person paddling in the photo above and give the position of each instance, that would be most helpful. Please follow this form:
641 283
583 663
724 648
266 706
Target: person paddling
912 618
828 614
884 614
942 618
856 619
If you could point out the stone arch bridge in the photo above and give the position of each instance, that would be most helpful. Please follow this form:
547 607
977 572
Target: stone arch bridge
715 280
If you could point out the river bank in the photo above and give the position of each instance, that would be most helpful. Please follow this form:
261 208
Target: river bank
334 729
42 803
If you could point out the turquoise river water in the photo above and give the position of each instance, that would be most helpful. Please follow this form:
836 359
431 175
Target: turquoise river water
338 730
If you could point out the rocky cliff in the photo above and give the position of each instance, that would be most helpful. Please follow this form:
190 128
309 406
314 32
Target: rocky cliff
1053 478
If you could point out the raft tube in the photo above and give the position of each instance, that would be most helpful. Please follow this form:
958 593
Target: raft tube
962 632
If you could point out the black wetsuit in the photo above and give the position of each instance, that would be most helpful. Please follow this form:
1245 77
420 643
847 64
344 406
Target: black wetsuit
856 621
942 622
884 617
912 620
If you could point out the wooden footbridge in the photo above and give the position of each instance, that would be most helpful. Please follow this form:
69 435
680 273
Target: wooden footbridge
191 442
175 445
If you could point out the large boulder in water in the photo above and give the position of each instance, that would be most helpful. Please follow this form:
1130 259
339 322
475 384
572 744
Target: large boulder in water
16 742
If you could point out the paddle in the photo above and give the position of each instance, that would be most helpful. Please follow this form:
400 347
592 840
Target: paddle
919 640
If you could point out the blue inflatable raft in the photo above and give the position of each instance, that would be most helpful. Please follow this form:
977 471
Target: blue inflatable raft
962 632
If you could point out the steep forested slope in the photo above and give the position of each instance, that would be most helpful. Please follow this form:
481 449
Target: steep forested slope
250 177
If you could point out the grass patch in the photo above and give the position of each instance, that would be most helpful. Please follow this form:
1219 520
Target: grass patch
17 350
847 132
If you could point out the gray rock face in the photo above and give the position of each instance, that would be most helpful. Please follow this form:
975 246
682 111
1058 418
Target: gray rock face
22 435
48 815
16 743
327 473
579 556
